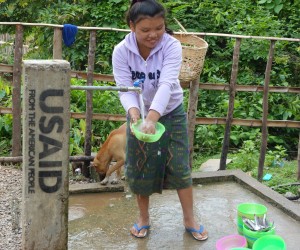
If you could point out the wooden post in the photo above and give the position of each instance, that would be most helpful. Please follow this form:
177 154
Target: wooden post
264 130
46 122
89 102
57 43
232 90
298 177
192 110
16 92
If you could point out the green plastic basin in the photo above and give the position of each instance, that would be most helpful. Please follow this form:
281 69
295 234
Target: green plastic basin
160 129
269 242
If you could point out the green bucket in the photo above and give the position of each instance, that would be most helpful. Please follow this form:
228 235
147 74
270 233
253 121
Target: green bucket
253 236
249 210
269 242
240 248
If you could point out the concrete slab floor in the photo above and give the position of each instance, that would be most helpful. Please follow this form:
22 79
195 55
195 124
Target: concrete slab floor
216 195
212 165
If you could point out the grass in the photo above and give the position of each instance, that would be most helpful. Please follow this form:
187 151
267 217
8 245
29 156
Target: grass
284 179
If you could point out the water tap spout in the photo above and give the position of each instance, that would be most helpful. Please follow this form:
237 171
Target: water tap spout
137 84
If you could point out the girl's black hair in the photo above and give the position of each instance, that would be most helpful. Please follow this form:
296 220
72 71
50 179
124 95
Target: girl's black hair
143 8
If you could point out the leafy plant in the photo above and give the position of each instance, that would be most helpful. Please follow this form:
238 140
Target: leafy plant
79 13
246 158
77 137
105 102
275 5
6 119
278 18
5 93
208 139
5 133
276 157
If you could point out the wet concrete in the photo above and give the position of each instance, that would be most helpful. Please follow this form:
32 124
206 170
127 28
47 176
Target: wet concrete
102 220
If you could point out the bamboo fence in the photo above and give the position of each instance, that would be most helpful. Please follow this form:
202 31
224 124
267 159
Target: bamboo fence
193 86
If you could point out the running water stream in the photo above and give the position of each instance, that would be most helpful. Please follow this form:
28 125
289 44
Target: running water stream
138 83
142 107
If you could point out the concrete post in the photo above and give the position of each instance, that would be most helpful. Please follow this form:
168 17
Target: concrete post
46 118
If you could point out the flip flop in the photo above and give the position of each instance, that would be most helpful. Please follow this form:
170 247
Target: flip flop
192 230
139 229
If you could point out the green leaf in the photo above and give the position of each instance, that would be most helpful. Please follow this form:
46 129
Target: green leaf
2 94
1 123
82 125
278 8
71 146
270 5
286 115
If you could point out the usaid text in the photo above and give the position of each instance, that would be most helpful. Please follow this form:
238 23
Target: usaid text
45 139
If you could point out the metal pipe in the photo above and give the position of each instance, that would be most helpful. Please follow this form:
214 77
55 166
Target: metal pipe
103 88
74 158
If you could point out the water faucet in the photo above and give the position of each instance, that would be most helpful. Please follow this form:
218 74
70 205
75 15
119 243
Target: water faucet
137 83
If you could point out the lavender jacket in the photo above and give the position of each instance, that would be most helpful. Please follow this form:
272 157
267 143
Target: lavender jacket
161 90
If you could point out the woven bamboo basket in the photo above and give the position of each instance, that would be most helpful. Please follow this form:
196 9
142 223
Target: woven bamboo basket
193 55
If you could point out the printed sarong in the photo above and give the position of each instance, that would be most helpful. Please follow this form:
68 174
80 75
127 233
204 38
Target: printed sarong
151 167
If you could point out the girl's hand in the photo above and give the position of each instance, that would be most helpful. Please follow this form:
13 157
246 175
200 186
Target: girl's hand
134 114
148 127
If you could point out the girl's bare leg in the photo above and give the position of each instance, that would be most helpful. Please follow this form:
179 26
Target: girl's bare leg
143 204
186 199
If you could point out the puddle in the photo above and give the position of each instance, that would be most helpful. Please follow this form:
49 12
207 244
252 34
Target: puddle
76 212
102 221
96 220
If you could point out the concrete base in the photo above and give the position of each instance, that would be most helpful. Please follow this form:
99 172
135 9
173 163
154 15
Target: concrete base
212 165
95 188
216 197
257 188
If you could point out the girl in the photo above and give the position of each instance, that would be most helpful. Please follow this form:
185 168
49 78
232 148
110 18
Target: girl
150 54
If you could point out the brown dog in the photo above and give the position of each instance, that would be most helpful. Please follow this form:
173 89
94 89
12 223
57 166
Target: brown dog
112 149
